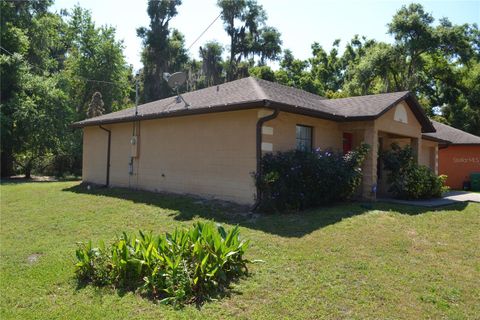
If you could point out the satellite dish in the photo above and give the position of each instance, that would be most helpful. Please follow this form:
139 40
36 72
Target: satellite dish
175 80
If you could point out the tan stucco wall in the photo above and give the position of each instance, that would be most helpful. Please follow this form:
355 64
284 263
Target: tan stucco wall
326 134
120 155
94 154
214 154
429 155
386 123
211 155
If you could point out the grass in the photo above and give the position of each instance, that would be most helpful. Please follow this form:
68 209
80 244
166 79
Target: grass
346 261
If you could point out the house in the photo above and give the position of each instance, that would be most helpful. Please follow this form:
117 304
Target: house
458 154
211 143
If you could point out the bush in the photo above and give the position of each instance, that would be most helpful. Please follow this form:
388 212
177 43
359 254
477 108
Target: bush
296 180
407 179
183 267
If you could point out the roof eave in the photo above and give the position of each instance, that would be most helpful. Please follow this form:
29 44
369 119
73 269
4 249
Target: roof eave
427 126
430 138
176 113
218 108
415 106
303 111
465 144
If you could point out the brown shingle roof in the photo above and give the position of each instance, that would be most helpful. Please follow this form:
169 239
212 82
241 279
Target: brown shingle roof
253 93
452 135
364 106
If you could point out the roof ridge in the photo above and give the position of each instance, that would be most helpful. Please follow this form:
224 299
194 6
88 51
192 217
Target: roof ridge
453 135
405 92
456 129
292 88
258 88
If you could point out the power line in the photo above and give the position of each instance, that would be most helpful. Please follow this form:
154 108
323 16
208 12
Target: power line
93 80
6 50
204 31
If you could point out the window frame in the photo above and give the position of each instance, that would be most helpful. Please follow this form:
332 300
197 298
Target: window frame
310 147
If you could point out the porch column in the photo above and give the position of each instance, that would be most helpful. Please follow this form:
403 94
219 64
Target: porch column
416 145
370 165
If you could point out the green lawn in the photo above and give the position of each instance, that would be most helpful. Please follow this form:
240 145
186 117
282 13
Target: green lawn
337 262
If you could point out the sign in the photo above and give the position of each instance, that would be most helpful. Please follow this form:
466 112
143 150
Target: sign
467 160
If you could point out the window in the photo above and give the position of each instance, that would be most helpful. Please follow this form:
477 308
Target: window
304 138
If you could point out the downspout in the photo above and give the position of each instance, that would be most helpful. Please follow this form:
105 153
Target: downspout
108 154
258 172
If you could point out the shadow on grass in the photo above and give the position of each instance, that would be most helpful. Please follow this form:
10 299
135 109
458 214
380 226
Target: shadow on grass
286 225
225 291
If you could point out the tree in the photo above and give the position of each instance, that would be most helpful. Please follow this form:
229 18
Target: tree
50 65
95 62
244 22
435 62
326 68
414 36
374 72
16 20
95 108
262 72
212 62
40 120
269 45
164 49
295 73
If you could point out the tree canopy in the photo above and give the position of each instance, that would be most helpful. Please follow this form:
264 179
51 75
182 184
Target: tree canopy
51 64
164 49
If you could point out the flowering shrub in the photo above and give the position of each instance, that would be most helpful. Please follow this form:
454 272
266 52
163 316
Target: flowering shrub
296 180
407 179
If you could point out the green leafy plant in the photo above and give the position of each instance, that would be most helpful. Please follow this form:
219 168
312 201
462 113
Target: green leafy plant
186 266
409 180
297 180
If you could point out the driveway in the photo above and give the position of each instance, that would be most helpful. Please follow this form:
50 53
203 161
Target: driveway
450 197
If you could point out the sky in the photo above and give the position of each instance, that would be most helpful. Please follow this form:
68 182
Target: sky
301 22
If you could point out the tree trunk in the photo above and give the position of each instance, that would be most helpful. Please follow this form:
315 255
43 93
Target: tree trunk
6 163
28 170
230 71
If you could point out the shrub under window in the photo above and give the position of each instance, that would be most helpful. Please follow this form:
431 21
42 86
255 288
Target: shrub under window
297 180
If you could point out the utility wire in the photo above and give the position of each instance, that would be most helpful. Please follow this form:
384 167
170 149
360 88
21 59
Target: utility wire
93 80
198 38
6 50
108 82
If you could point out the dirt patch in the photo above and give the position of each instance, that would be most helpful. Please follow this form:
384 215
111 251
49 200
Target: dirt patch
33 178
33 258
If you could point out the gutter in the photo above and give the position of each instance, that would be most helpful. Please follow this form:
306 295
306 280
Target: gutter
108 154
211 109
258 172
